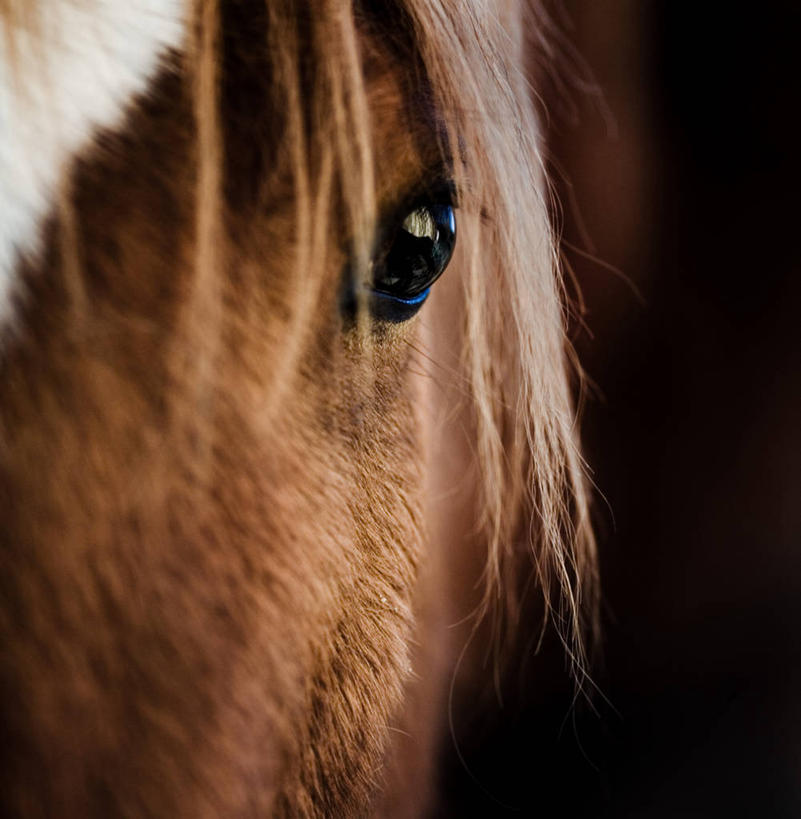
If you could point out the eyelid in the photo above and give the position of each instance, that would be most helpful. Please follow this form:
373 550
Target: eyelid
441 190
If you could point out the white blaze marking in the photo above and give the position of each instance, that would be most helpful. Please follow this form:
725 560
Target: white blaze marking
75 72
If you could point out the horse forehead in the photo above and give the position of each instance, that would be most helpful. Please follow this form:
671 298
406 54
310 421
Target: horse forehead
67 69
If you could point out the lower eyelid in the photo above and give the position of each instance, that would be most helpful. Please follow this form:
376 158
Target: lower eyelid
418 299
394 309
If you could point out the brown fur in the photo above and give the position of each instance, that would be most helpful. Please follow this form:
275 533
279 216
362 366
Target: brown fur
228 516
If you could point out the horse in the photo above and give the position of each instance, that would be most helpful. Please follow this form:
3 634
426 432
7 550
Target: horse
271 476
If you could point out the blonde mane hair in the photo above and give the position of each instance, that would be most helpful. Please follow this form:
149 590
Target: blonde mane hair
517 362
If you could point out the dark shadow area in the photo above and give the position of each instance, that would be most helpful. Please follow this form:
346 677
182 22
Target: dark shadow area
691 190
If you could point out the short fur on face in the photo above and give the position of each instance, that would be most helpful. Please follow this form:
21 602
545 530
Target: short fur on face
216 491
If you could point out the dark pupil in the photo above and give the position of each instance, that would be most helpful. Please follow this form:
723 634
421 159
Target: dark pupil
421 250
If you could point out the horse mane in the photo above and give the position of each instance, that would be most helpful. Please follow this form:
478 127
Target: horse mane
517 363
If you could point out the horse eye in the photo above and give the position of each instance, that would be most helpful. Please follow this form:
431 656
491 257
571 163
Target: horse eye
417 255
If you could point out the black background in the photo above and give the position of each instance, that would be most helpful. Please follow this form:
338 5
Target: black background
686 179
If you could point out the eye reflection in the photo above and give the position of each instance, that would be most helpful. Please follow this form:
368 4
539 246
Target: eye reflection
420 223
